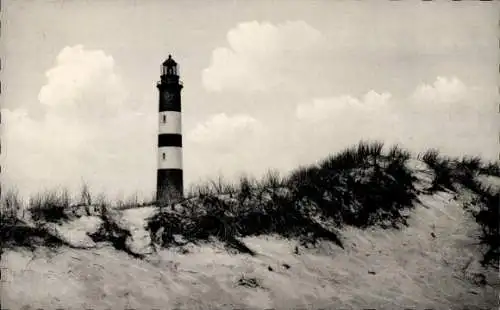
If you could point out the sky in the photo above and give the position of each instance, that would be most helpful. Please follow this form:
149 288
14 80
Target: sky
267 85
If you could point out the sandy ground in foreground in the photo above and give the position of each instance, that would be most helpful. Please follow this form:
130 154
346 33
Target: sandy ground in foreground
379 269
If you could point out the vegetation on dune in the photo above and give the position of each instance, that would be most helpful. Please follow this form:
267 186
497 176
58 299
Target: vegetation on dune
50 206
450 173
56 207
488 218
261 211
14 232
11 207
362 186
110 231
442 170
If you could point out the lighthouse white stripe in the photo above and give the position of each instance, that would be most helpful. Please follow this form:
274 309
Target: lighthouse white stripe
170 157
170 122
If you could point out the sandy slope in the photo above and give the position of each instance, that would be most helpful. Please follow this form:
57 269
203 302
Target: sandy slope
378 269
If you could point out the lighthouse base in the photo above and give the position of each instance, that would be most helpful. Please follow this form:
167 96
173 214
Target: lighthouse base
169 185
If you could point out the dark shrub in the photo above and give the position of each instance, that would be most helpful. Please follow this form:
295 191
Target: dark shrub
491 169
488 218
110 231
51 206
451 172
10 207
397 154
14 232
443 169
22 235
228 220
360 186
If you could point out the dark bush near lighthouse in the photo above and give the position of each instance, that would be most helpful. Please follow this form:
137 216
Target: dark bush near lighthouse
361 186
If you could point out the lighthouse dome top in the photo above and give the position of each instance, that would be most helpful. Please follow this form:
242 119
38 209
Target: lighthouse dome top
170 67
170 62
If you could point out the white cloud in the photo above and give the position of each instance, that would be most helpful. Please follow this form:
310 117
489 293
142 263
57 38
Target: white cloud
226 145
321 109
445 114
86 133
225 132
39 153
454 117
443 93
260 56
329 124
82 84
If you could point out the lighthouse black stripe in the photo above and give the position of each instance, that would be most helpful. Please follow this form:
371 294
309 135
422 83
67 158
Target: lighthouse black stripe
168 180
169 139
170 97
169 106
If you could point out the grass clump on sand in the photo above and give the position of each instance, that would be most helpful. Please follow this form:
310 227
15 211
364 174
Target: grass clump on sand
110 231
55 207
361 186
452 173
50 206
488 218
257 208
365 185
15 232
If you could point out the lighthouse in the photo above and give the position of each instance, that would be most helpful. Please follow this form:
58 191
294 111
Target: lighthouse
169 185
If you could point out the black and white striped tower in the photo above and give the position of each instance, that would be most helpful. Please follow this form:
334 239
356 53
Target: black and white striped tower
169 178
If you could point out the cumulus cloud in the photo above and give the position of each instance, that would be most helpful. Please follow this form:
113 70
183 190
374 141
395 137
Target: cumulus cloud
39 153
226 145
225 132
445 114
86 132
444 93
321 109
329 124
82 82
260 56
